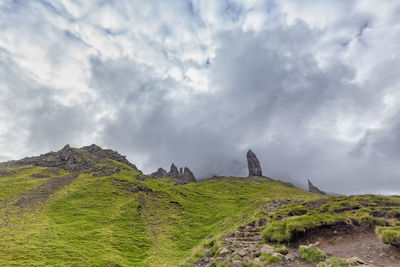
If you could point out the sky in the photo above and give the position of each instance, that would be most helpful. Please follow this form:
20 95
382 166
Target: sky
312 87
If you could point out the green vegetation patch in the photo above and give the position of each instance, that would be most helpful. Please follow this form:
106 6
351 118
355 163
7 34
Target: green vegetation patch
281 231
338 262
312 255
389 235
282 251
340 206
20 181
268 258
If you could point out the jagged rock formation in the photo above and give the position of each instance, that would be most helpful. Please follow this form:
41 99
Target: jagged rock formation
184 175
188 176
314 189
253 164
173 172
160 173
102 153
74 159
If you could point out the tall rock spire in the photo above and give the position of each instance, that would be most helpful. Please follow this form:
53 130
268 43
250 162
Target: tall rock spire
314 189
173 172
253 164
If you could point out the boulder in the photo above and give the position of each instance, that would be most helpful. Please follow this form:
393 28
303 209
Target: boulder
261 222
224 251
253 164
314 189
267 249
140 177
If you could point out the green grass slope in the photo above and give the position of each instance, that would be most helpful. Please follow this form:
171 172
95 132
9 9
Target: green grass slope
103 217
118 220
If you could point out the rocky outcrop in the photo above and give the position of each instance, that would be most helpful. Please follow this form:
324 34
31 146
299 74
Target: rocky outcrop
253 164
314 189
188 176
74 159
67 158
173 172
185 175
160 173
102 153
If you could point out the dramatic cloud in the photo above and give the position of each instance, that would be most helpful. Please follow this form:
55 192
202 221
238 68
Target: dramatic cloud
311 87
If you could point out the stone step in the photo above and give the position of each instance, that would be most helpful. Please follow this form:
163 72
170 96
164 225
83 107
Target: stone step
247 234
249 239
248 243
247 230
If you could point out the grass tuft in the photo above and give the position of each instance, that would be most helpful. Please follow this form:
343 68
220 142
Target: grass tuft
312 255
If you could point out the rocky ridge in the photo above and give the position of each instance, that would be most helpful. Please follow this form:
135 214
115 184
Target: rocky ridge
184 175
74 159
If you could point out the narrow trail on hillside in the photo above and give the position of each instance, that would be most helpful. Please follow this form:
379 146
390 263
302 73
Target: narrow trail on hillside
346 242
339 240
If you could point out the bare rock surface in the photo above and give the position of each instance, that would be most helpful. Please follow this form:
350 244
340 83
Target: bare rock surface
173 172
188 175
184 176
73 159
313 189
253 164
160 173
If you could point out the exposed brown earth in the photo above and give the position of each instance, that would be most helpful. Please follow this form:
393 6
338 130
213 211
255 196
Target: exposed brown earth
41 193
13 172
340 240
362 243
344 241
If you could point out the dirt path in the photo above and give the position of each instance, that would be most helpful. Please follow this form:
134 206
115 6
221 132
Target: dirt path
361 243
345 243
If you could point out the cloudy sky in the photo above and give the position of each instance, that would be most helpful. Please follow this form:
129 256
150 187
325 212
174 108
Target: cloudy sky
312 87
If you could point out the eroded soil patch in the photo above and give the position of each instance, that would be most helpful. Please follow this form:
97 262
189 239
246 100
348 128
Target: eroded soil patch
345 241
41 193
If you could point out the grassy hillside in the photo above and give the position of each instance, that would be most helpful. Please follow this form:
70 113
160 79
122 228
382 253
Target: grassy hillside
48 216
118 220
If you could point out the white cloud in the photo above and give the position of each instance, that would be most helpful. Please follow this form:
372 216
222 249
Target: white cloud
306 83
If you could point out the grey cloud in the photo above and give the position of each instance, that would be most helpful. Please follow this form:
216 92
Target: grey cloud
269 94
35 118
290 92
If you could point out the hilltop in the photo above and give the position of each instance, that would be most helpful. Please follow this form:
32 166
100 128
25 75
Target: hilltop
90 206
